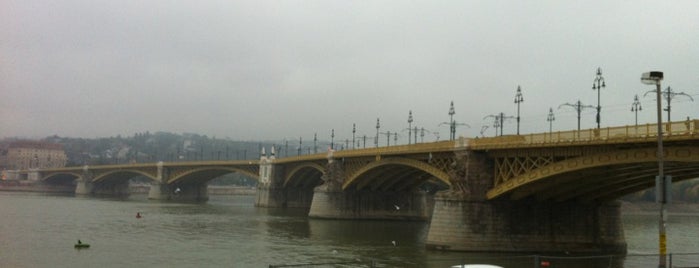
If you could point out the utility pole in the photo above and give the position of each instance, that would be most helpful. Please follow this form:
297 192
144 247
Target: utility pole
499 121
578 106
669 95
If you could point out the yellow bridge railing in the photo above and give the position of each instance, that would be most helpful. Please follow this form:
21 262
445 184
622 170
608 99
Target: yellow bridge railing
679 130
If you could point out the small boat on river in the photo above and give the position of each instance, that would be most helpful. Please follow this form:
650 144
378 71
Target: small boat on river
476 266
80 245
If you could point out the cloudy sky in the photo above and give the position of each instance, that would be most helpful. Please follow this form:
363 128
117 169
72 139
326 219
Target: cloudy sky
253 70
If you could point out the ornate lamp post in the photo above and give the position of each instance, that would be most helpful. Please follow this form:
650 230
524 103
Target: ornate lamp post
332 140
315 143
518 99
410 122
354 130
598 84
376 140
452 127
550 118
635 107
300 145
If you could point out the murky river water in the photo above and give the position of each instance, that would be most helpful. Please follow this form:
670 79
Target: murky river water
40 230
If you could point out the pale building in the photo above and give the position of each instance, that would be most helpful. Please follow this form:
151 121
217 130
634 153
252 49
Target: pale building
25 154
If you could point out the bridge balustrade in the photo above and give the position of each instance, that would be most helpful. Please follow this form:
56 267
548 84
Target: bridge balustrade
647 132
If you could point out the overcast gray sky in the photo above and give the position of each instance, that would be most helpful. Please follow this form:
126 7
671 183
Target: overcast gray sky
253 70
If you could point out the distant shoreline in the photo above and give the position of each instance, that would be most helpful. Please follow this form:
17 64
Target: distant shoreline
28 186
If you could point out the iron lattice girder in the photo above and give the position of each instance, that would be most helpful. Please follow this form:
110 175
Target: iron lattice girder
610 168
510 167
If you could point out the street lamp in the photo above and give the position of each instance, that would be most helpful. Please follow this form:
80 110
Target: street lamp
332 139
598 84
315 143
518 99
550 118
300 145
452 127
354 130
635 107
578 106
661 182
410 122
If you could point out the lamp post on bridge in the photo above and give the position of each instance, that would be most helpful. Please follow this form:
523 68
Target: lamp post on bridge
452 127
376 139
662 183
298 151
598 84
315 143
635 107
410 122
518 99
332 140
354 130
550 118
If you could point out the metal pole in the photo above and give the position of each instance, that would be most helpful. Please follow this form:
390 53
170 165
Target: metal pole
354 130
662 236
410 122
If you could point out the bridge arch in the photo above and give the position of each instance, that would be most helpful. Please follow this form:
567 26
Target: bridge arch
608 174
203 174
307 174
397 172
61 177
122 175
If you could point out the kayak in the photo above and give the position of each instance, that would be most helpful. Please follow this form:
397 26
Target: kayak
82 245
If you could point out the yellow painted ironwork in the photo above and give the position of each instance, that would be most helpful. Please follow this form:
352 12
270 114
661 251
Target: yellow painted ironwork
600 160
425 167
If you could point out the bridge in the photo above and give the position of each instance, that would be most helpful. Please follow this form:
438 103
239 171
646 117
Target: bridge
545 192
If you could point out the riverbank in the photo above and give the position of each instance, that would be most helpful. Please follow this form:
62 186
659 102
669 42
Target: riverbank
651 208
32 186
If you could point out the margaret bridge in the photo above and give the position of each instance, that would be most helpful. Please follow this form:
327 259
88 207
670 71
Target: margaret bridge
546 192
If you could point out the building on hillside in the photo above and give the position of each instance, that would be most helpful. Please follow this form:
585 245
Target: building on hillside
26 154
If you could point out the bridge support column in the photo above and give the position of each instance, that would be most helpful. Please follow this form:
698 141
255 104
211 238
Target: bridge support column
114 189
331 202
270 192
159 191
84 185
374 205
464 220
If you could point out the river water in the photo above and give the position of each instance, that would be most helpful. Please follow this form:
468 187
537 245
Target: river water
39 230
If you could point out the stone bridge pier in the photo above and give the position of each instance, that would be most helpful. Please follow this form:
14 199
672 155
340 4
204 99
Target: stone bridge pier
271 191
190 191
332 202
465 220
